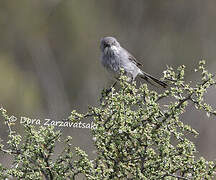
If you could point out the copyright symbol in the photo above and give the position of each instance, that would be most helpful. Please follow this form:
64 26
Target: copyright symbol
12 119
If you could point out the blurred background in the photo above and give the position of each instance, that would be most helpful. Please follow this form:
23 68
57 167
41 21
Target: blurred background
50 57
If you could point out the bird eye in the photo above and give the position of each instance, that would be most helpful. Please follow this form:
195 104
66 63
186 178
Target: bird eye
114 43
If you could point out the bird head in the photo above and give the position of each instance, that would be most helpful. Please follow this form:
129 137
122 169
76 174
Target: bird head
108 43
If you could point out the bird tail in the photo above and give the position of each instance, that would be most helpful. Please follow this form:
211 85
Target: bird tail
147 76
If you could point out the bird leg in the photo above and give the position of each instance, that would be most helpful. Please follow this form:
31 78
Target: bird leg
110 89
107 91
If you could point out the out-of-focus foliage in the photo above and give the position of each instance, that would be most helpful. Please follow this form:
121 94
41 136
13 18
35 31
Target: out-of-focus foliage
49 53
138 136
53 46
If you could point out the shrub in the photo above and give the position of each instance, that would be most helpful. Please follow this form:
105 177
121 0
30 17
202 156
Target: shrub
139 135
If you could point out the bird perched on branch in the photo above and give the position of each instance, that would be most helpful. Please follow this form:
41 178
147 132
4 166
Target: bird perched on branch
114 58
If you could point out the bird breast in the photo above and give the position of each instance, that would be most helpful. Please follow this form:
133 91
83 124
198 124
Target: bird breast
111 58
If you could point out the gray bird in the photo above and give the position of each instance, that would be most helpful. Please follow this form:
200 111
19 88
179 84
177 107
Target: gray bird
114 57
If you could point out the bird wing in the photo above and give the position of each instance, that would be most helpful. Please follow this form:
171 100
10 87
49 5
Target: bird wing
133 59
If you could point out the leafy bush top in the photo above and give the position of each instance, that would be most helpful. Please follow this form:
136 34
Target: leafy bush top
139 135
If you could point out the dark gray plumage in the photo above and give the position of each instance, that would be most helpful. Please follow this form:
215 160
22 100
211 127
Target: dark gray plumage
114 57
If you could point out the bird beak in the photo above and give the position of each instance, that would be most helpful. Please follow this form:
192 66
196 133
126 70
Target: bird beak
107 45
